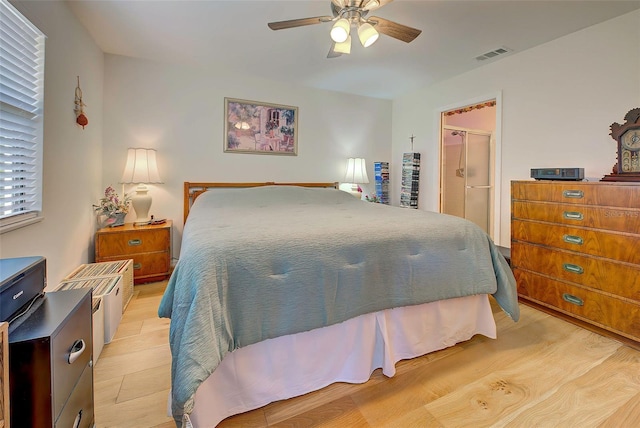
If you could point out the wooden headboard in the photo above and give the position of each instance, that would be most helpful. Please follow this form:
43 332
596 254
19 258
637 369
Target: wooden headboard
193 190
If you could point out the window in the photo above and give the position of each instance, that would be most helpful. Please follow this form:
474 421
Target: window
21 111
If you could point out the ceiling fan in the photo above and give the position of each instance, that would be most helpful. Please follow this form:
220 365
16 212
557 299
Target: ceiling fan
353 13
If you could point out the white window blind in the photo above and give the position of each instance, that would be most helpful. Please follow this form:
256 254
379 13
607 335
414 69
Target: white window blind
21 110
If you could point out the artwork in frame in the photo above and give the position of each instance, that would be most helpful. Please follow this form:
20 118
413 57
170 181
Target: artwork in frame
260 128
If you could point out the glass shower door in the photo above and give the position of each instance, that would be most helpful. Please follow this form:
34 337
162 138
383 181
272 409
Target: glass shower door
478 187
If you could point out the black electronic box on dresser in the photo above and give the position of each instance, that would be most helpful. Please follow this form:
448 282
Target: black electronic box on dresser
50 362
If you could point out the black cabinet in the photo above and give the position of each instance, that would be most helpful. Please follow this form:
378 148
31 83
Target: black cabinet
51 363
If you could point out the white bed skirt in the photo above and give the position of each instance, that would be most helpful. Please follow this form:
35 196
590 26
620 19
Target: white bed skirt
288 366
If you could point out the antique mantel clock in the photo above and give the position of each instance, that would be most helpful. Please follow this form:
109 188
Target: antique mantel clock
628 137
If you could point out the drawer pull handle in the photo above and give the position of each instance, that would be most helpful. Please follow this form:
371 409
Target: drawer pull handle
574 300
572 239
76 423
134 242
137 266
77 349
573 215
573 268
576 194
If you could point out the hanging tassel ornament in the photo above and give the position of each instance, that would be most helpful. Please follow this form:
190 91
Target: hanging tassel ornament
81 119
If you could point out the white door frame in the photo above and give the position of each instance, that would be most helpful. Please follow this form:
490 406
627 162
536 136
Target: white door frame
497 149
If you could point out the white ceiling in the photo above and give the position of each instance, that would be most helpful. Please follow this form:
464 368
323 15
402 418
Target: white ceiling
233 35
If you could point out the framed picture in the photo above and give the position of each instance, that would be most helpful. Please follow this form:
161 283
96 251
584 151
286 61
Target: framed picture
260 128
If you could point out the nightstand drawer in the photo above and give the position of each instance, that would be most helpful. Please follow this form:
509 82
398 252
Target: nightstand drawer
150 264
132 242
619 316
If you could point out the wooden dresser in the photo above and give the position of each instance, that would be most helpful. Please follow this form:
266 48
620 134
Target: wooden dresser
148 246
575 252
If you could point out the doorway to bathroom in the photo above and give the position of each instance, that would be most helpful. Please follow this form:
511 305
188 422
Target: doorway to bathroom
468 168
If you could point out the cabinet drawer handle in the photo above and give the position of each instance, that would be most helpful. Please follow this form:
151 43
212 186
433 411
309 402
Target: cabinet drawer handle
574 300
572 239
576 194
134 242
77 349
573 215
573 268
137 266
76 423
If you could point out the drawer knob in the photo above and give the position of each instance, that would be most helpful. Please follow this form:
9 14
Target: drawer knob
575 194
574 300
573 268
572 239
137 266
134 242
77 349
573 215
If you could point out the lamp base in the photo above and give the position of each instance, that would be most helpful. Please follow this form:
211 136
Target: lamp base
141 203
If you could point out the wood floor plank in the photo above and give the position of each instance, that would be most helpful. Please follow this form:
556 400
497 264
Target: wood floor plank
119 364
341 412
145 382
497 395
590 399
627 415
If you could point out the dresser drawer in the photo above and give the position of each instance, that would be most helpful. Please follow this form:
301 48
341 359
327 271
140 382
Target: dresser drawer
607 312
132 242
616 246
603 194
612 277
608 218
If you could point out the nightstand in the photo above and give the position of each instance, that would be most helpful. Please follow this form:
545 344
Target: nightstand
149 246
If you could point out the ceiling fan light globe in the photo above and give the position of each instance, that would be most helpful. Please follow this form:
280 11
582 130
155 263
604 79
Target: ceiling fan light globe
367 34
340 30
344 47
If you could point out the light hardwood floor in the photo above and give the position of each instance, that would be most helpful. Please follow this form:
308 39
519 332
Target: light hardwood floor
540 372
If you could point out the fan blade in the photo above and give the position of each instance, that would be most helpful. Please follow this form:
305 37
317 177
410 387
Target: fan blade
332 53
374 4
281 25
339 3
393 29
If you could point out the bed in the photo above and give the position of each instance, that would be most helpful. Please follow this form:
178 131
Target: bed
284 288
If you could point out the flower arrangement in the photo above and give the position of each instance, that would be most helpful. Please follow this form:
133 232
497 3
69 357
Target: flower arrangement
373 198
111 204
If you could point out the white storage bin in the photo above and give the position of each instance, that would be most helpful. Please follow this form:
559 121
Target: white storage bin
108 269
98 327
110 289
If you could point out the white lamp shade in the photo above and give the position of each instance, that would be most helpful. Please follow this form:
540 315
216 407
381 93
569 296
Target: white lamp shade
141 167
367 34
340 30
344 47
356 171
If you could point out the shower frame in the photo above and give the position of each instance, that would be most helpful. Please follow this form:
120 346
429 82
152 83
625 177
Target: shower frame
467 187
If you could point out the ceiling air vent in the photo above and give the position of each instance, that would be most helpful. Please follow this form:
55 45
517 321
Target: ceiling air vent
494 53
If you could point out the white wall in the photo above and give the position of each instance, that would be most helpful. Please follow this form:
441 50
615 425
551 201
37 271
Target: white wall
180 112
558 101
72 156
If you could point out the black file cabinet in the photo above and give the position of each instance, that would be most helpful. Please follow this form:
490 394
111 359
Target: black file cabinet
51 363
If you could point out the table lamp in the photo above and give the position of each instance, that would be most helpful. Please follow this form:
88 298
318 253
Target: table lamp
141 169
